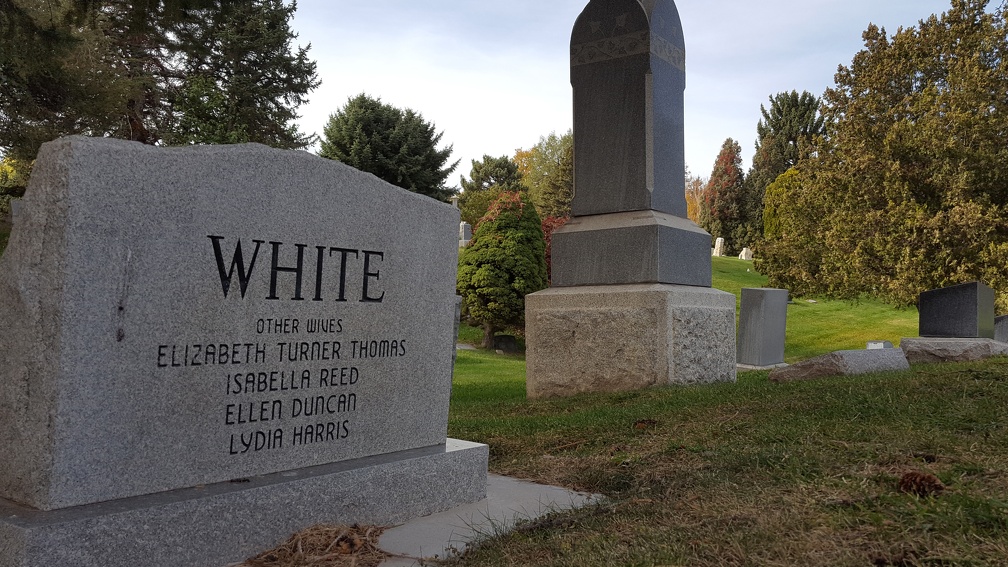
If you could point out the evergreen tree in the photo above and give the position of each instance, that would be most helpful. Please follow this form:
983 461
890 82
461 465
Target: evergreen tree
504 262
396 145
117 68
785 133
909 189
724 197
249 82
488 178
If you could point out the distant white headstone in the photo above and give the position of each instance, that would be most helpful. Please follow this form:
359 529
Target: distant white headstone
719 247
746 254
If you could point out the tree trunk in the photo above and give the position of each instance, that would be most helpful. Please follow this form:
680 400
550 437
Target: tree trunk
488 335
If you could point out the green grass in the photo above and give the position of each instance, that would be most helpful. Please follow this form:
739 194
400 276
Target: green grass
825 325
813 328
756 473
752 473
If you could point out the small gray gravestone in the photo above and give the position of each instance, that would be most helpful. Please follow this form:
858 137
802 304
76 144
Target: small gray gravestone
465 233
960 311
176 319
719 247
631 304
762 327
1001 328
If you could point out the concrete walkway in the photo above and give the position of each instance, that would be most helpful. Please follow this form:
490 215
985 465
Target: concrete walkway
508 501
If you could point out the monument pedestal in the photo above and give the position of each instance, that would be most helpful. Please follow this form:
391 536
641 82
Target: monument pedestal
627 337
629 248
228 522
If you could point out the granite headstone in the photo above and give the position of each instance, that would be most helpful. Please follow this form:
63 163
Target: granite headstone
1001 328
762 326
628 251
183 317
960 311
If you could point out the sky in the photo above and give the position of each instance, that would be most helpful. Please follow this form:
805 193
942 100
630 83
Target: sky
495 76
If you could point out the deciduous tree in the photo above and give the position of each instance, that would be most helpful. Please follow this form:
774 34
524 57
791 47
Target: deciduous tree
695 200
396 145
487 179
723 197
911 176
548 173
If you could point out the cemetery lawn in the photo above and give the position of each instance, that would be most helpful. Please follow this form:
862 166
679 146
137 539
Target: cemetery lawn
753 473
814 326
817 326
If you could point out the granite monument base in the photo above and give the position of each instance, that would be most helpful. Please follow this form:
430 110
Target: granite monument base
219 524
627 337
629 248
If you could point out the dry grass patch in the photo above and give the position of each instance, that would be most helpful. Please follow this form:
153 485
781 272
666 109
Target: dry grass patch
762 474
325 546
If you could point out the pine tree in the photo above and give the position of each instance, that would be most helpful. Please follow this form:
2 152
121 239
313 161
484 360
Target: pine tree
117 68
784 134
396 145
488 178
249 82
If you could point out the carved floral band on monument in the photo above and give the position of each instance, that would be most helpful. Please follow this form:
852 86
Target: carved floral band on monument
628 254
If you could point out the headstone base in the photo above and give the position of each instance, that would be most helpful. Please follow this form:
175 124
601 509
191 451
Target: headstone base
228 522
627 337
629 248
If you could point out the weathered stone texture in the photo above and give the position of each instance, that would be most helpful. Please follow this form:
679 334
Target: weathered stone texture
927 349
615 338
842 363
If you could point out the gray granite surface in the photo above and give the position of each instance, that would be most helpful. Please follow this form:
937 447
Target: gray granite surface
762 326
617 338
842 363
631 248
963 311
628 72
219 524
930 349
1001 328
144 354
